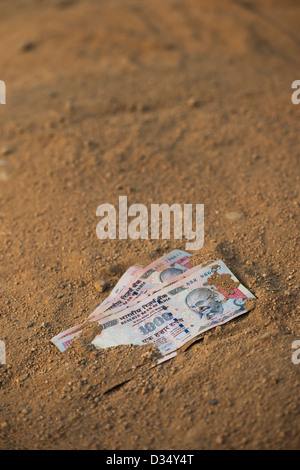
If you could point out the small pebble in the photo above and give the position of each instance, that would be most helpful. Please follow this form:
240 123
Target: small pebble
27 46
69 106
213 401
219 440
4 175
193 103
6 151
233 215
265 336
101 285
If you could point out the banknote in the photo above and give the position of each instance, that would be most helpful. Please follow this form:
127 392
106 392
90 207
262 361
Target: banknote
174 263
178 312
153 276
123 282
150 291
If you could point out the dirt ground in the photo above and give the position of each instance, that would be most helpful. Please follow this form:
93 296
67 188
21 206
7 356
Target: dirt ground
163 101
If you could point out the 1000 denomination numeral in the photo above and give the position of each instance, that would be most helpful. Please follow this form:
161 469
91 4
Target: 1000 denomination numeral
157 321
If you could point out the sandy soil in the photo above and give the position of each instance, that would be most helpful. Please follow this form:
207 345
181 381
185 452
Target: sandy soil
163 101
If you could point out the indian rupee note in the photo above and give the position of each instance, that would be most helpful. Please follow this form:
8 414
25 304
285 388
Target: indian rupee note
177 313
173 263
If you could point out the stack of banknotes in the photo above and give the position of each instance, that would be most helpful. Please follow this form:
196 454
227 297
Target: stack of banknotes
167 303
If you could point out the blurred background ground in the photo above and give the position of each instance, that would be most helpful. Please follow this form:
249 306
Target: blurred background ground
162 101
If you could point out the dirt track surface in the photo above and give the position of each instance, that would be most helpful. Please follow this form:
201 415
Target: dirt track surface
162 101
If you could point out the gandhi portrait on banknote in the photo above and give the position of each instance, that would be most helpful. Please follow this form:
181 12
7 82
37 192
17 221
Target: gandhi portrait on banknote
167 274
174 270
204 302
